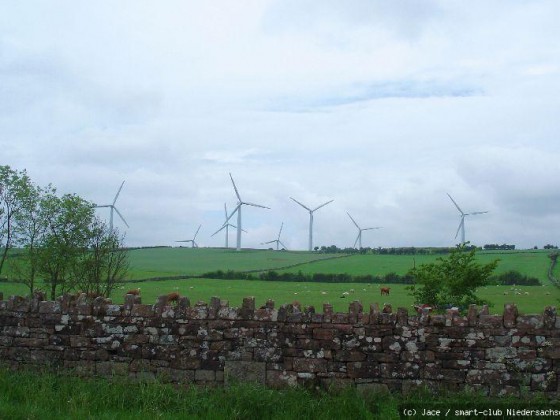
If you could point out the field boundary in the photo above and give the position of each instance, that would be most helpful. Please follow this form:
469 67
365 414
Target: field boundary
215 344
200 276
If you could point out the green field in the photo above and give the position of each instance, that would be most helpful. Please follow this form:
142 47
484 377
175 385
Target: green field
36 394
161 262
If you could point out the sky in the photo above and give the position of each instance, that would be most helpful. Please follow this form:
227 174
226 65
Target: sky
383 107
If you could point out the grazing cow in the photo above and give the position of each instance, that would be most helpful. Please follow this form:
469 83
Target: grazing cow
385 291
173 297
135 292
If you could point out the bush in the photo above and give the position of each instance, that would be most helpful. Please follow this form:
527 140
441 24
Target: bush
452 280
513 277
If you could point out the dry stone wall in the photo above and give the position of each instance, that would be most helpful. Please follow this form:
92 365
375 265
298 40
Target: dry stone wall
214 344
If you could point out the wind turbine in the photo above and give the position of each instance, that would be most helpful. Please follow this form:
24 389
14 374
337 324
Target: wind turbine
226 226
240 204
360 230
113 208
462 223
277 240
194 244
311 219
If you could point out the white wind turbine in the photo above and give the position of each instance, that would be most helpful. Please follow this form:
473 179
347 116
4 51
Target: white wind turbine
277 240
237 209
113 208
462 223
311 219
360 230
226 226
194 244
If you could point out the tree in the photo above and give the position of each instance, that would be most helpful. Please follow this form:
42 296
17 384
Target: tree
69 219
32 226
13 187
451 280
104 264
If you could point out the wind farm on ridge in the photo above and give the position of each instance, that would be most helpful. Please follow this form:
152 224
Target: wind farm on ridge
237 210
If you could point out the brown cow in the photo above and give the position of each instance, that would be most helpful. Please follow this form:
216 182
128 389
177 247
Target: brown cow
385 291
173 297
135 292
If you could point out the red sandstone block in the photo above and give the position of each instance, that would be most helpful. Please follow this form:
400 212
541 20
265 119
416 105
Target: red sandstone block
383 357
340 318
309 365
278 379
323 333
142 311
490 321
531 322
342 328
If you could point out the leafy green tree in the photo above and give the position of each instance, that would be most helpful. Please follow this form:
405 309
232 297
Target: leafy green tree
104 264
451 280
32 225
14 185
69 219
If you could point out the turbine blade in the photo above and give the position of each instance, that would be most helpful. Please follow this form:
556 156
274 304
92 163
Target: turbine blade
106 205
121 216
118 192
478 212
225 209
269 242
232 213
280 233
255 205
284 246
323 205
219 230
456 205
199 226
235 188
351 218
302 205
356 241
460 224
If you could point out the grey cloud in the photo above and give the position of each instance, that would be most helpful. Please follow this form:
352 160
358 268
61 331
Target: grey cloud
374 91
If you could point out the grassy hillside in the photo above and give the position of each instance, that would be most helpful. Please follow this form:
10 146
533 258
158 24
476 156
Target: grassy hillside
531 299
159 262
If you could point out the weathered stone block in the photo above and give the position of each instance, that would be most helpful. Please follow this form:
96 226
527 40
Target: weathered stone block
309 365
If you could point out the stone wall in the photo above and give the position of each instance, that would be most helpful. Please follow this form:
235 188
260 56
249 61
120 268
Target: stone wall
213 344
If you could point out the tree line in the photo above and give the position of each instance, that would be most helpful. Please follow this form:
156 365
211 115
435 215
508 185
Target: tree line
56 243
511 277
411 250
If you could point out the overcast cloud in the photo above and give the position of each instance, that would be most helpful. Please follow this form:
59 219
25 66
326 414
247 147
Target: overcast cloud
382 106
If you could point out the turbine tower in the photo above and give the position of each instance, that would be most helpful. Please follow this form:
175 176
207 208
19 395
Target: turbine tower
311 219
462 223
360 230
277 240
113 208
194 244
237 209
226 226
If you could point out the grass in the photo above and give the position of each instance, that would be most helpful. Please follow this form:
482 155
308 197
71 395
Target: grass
160 262
27 395
30 394
533 264
532 299
157 262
